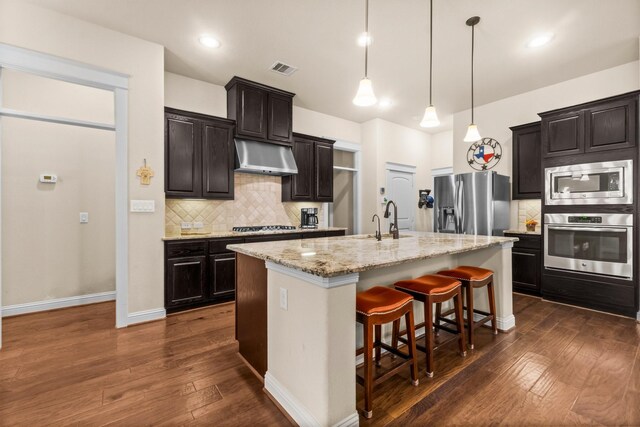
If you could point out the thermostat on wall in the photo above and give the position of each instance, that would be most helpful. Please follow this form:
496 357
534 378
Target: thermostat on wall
48 178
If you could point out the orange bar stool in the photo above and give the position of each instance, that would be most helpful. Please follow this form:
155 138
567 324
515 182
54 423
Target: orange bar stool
472 278
429 290
375 307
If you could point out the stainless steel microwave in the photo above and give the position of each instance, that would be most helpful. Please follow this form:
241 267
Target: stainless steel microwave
605 183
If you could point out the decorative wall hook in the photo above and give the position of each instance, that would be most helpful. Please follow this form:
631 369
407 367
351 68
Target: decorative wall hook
145 173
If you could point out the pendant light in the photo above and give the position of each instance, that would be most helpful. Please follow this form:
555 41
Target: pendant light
472 131
365 97
430 118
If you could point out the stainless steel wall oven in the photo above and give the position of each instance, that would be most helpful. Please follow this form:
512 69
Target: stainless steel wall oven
597 244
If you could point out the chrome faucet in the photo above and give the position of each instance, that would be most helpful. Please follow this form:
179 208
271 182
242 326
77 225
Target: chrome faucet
393 227
378 233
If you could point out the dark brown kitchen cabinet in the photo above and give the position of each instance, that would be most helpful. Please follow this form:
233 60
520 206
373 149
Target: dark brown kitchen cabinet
526 263
261 112
222 275
199 155
186 280
324 171
527 162
602 125
314 181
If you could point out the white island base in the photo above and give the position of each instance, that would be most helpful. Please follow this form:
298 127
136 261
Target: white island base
312 333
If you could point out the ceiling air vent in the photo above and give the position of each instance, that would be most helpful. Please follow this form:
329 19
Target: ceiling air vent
282 68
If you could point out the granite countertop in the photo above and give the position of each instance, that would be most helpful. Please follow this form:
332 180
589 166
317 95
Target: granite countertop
532 233
219 234
336 256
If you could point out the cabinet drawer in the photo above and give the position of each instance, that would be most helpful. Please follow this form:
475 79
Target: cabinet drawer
185 249
272 238
218 246
314 235
526 241
336 233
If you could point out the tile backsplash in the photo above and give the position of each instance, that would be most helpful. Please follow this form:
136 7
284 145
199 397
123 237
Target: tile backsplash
257 202
529 209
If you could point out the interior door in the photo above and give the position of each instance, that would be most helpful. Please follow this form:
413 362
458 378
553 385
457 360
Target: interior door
401 190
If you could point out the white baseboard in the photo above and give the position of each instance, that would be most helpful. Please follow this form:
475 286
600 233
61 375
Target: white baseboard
289 403
352 420
52 304
506 323
146 316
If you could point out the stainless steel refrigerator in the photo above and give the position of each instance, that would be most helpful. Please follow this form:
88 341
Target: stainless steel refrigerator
471 203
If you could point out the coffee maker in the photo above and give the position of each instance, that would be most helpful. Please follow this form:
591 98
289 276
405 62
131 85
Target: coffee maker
309 218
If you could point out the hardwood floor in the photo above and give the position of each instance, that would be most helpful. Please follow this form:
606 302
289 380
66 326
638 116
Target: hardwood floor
71 367
561 366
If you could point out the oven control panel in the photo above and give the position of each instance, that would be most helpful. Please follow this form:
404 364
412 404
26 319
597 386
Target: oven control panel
585 219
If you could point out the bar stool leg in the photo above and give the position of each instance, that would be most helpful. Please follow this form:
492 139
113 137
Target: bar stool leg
428 334
470 321
368 369
492 307
462 342
376 344
411 332
395 332
438 316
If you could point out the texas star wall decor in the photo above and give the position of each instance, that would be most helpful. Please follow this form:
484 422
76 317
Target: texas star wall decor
484 154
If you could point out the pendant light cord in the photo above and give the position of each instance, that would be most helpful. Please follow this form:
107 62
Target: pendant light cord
473 32
367 38
430 51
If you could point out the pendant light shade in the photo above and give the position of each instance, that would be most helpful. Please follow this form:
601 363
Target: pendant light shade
472 134
430 118
365 96
472 131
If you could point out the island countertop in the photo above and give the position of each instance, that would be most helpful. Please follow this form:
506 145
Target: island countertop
336 256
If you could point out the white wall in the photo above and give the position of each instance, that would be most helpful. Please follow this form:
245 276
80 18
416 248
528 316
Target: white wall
494 119
442 149
31 27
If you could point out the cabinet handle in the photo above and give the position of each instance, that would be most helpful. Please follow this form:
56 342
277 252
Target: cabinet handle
523 253
225 259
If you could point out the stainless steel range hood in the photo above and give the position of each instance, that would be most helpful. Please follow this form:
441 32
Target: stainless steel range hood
264 158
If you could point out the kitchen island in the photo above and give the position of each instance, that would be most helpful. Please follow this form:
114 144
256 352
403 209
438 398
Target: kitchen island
295 308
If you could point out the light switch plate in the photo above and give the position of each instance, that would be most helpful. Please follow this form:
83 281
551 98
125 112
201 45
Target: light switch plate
84 217
185 225
284 299
146 206
198 225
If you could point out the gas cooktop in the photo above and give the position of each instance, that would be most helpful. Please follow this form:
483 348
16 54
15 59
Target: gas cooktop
255 228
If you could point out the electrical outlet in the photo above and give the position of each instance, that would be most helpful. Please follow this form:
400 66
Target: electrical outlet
198 225
84 217
185 225
284 299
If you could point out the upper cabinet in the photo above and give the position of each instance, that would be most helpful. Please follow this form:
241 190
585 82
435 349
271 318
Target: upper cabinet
527 162
199 155
607 124
261 112
314 181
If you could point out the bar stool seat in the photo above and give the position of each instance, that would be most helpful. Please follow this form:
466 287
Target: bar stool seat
375 307
471 278
432 289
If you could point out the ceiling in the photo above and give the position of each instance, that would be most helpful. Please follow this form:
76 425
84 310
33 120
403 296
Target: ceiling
319 37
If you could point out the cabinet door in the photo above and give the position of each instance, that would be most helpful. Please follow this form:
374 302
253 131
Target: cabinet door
611 125
217 160
183 176
324 172
526 270
251 117
302 184
222 274
279 112
563 134
527 163
186 278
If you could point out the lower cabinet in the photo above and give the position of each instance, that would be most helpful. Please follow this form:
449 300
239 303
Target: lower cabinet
526 264
202 272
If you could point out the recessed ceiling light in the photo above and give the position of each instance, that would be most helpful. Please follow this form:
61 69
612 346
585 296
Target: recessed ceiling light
540 40
385 102
209 41
364 39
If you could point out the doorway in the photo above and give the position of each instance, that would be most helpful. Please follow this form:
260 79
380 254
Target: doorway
401 189
54 69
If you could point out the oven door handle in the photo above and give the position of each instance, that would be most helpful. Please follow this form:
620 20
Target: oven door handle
596 229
